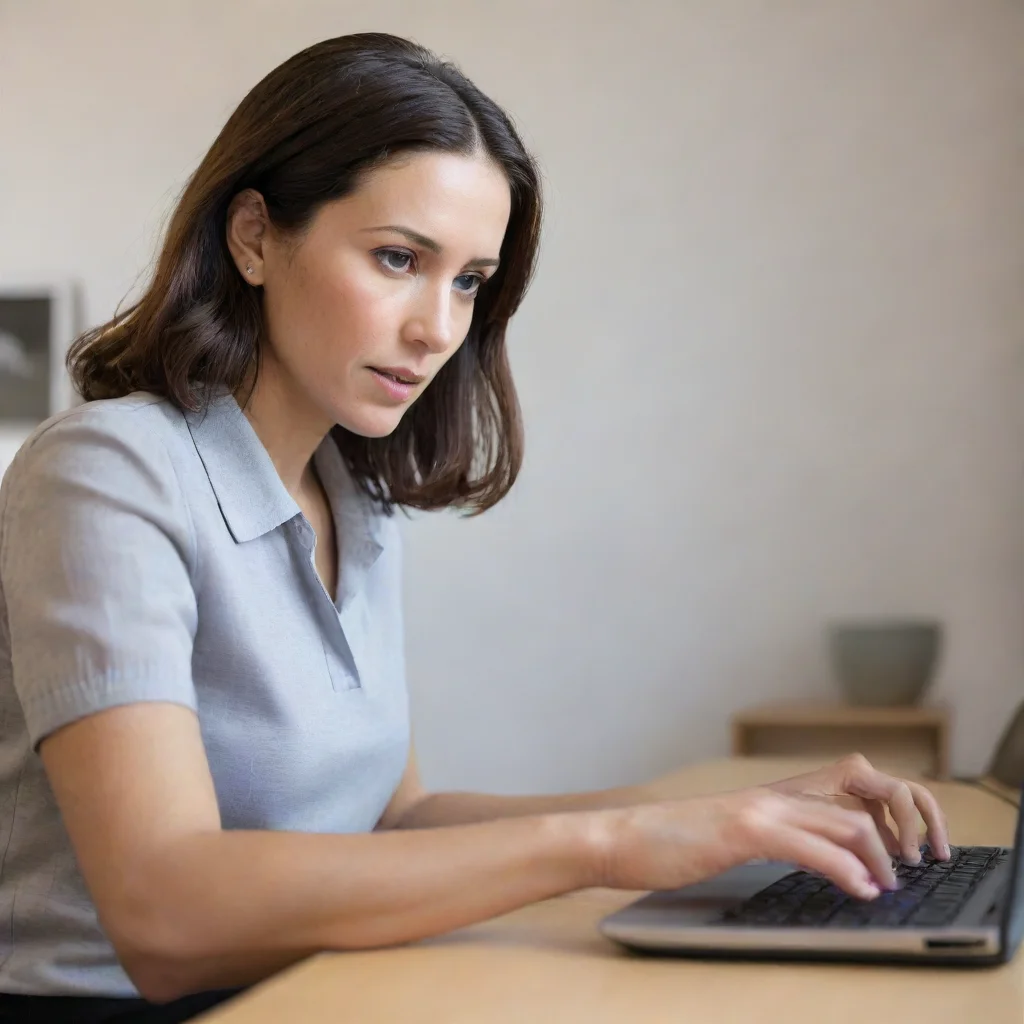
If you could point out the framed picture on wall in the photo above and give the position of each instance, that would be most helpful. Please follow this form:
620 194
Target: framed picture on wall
37 323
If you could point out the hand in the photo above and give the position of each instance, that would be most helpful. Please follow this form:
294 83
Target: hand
671 844
853 783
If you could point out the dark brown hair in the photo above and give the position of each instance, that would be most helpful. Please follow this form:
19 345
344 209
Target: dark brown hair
303 137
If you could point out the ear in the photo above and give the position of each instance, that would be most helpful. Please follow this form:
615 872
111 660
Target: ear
246 228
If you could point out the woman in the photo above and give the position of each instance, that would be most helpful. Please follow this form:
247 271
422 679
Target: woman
205 760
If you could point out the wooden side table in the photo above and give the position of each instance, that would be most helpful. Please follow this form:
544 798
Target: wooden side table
900 740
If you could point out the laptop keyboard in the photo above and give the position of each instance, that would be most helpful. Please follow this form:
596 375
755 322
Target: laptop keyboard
931 894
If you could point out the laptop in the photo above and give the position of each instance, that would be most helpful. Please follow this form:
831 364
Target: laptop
967 911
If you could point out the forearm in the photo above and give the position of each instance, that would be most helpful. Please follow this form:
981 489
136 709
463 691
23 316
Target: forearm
227 908
439 809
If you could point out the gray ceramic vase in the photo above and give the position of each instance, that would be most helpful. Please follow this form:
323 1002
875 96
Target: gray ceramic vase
885 662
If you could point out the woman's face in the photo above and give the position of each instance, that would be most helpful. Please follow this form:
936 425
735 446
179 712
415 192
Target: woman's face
377 294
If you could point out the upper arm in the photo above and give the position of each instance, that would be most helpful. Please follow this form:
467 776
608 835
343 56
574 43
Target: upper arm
410 792
95 546
130 781
101 614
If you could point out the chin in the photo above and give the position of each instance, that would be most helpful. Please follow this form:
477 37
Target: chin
371 422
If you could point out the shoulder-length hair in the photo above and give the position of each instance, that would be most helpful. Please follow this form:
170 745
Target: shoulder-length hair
303 137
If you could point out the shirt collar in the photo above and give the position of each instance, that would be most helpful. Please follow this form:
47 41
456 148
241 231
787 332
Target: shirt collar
251 496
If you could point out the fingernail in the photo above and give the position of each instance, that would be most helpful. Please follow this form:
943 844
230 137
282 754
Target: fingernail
913 858
945 850
870 891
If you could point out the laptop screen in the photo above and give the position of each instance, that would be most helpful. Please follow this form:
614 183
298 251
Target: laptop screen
1012 928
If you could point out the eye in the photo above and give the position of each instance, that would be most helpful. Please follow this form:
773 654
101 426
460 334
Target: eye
468 284
398 261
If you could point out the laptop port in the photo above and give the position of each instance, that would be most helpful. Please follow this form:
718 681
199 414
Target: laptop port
953 943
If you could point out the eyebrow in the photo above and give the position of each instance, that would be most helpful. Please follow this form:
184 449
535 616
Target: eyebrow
429 243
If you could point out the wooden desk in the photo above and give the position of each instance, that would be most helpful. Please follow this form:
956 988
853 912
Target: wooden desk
547 963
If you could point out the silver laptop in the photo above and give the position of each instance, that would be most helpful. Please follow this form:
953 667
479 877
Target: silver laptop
966 911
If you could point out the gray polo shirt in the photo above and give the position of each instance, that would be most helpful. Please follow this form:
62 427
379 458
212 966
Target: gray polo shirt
147 555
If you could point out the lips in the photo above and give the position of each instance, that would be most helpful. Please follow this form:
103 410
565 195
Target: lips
400 374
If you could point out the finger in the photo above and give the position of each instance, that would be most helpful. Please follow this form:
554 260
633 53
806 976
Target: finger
873 807
855 831
904 813
934 819
814 852
877 811
871 784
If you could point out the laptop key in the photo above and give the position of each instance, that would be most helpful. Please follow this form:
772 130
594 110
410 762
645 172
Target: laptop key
931 894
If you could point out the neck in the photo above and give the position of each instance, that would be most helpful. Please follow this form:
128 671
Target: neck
287 426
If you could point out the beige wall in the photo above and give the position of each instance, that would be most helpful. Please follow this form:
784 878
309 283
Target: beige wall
772 365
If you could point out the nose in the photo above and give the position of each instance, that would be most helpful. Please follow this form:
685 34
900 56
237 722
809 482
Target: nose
430 322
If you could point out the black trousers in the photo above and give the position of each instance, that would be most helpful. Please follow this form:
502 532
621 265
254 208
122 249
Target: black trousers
90 1010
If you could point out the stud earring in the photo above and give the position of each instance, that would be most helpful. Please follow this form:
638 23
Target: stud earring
248 268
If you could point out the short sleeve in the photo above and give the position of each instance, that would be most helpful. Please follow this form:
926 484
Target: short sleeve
96 548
